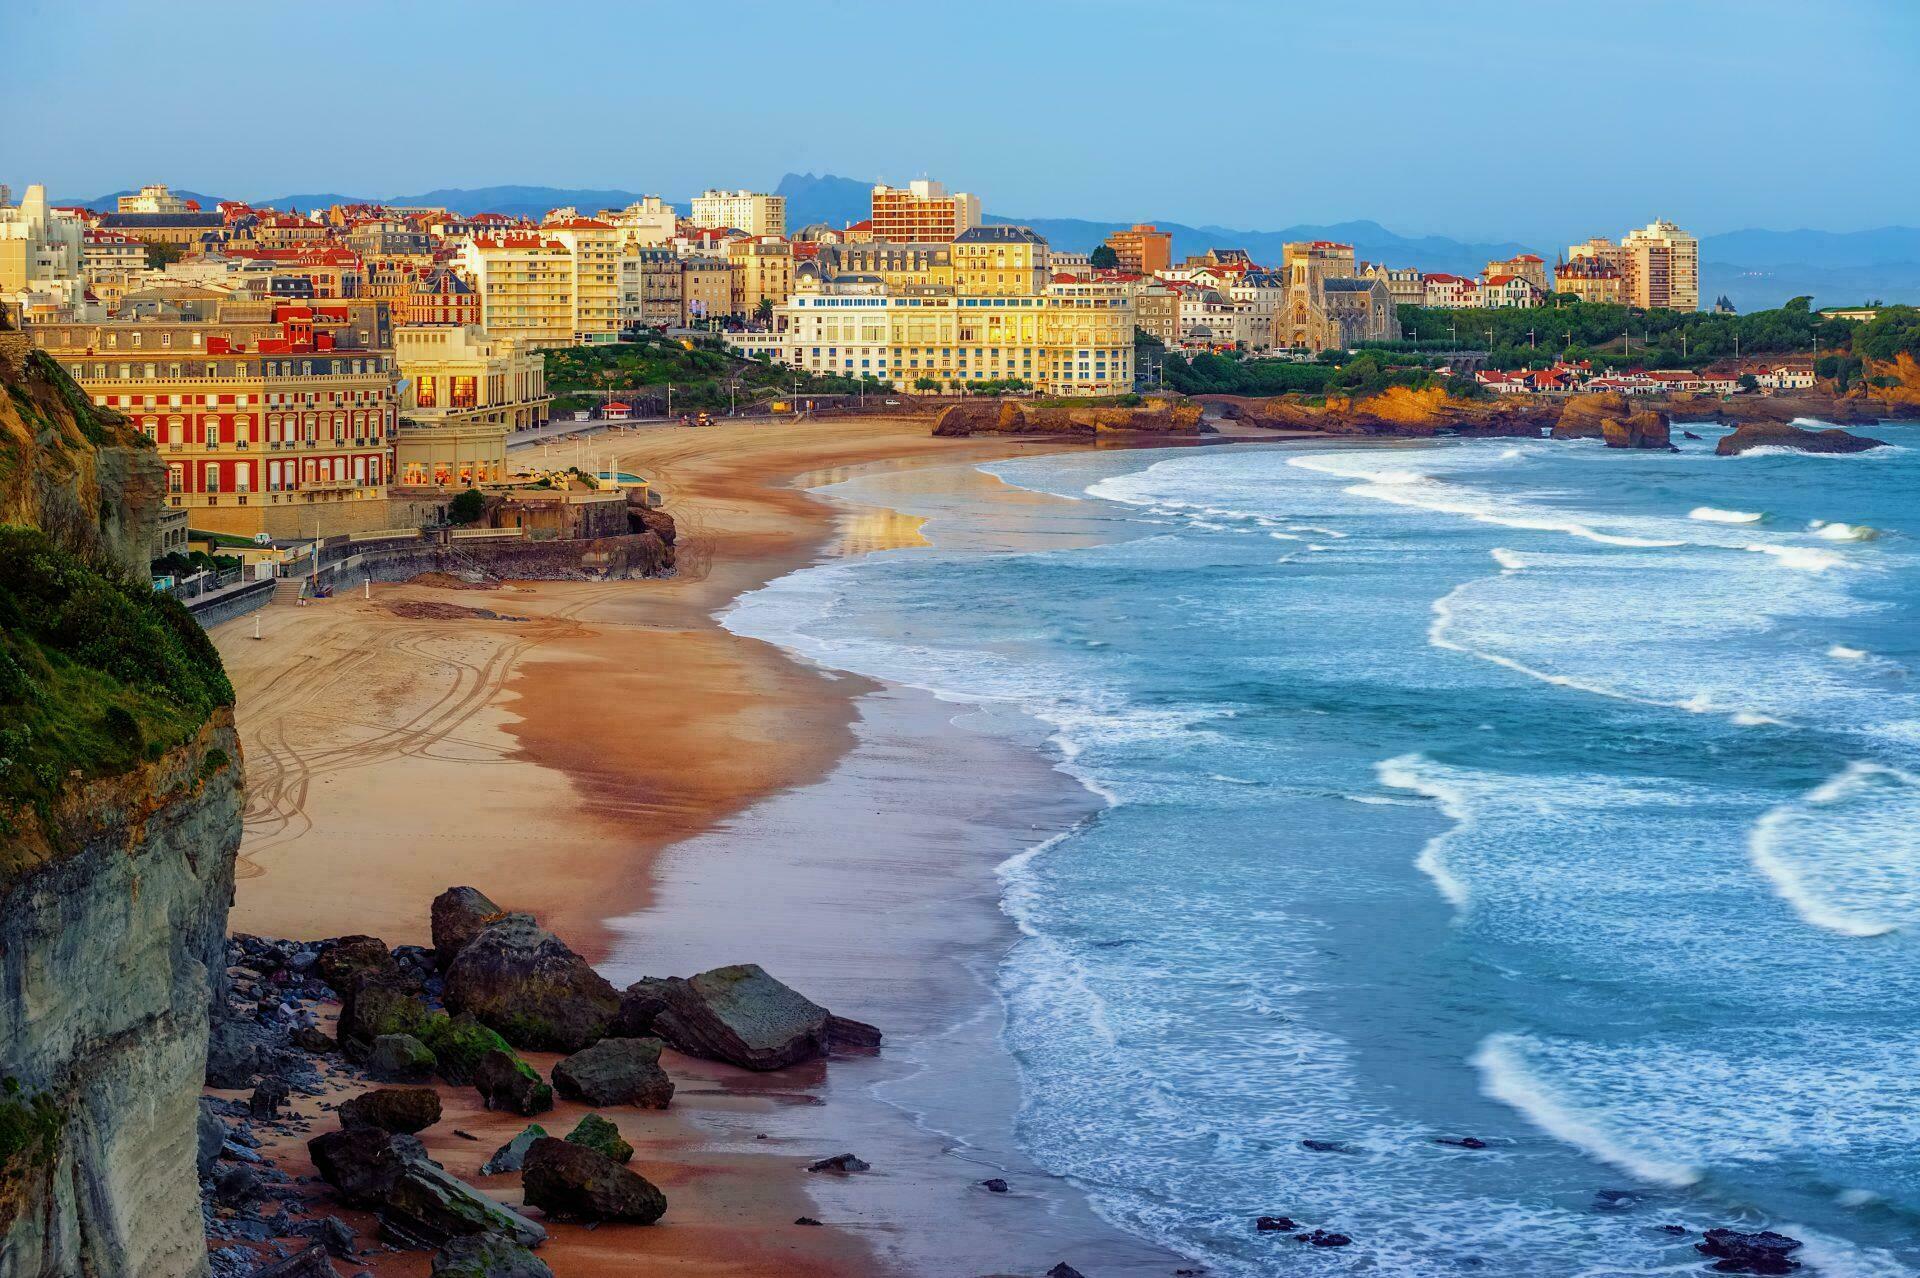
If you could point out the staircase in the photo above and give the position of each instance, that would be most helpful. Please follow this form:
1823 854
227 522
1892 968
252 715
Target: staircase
288 590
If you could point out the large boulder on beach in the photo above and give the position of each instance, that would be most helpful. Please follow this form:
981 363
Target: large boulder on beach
1764 1252
506 1082
512 1156
616 1071
487 1256
573 1182
344 958
375 1003
459 1044
399 1058
1750 435
458 915
601 1136
393 1109
522 981
418 1202
745 1017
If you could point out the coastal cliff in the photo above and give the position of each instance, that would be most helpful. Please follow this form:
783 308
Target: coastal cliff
1397 411
119 822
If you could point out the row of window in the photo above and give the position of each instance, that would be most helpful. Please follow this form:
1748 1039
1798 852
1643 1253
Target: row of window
287 476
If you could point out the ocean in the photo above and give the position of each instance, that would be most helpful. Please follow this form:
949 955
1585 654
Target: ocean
1555 797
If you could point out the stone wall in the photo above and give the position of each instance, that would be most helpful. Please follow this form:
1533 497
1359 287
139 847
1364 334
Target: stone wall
109 955
210 612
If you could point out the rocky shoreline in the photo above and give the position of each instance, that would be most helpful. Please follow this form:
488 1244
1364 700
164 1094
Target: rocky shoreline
493 984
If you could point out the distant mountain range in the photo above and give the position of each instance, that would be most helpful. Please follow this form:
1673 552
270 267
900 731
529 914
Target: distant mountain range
1753 268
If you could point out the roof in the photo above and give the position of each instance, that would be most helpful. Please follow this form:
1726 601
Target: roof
1348 285
999 235
133 221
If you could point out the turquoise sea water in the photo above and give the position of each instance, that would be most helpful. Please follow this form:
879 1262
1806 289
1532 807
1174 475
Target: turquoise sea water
1558 797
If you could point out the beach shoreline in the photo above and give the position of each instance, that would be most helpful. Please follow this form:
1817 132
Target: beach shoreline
587 814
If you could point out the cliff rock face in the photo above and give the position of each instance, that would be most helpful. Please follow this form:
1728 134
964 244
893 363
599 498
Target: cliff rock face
119 823
80 473
1163 415
1397 411
107 954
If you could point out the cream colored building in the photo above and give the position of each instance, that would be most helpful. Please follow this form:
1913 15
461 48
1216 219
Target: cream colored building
153 198
1662 267
760 270
596 247
525 282
999 261
706 289
649 221
462 391
41 248
650 289
922 212
748 211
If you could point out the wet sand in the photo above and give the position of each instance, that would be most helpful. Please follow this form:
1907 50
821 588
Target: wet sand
398 744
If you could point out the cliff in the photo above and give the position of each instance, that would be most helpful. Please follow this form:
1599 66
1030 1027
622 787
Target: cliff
78 472
1396 411
1161 415
1613 417
119 821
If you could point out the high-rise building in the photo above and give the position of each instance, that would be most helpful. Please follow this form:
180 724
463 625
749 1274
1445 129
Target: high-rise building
748 211
922 211
1143 250
42 249
1662 267
525 282
270 417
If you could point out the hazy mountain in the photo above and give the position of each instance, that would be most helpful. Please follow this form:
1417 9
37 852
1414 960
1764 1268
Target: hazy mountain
111 200
833 200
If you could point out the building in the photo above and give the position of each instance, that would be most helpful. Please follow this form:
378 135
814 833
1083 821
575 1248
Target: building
650 289
706 289
1405 284
462 393
1329 305
189 229
525 283
1527 266
155 198
270 418
897 265
1506 292
595 247
1662 267
1144 249
649 221
761 272
748 211
1156 311
1000 261
922 211
42 249
1590 279
1452 292
1072 338
438 296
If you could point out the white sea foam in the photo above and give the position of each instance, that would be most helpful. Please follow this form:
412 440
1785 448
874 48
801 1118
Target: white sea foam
1505 1077
1713 515
1842 532
1845 855
1407 772
1804 558
1841 652
1507 559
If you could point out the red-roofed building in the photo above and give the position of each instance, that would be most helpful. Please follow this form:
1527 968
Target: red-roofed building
1451 292
1528 266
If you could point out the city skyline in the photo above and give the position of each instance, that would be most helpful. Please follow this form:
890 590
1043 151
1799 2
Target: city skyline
1500 121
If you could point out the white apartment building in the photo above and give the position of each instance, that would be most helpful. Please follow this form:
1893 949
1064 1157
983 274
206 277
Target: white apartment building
41 248
750 211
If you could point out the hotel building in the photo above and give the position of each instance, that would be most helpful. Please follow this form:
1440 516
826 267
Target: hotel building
525 283
270 418
922 211
748 211
1662 267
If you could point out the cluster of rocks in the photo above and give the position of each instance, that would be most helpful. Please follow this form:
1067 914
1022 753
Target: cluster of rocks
1752 435
493 984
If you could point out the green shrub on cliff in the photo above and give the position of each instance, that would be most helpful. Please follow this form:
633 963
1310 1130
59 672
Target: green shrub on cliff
29 1135
97 674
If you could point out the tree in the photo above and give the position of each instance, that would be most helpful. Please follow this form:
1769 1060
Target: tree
161 254
926 383
1748 382
763 310
1799 304
467 507
1104 258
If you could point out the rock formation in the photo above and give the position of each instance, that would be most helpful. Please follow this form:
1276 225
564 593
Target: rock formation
1612 417
1751 435
742 1016
616 1071
570 1181
523 982
119 821
1157 414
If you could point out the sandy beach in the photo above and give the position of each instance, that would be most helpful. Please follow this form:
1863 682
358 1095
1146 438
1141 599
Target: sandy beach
668 796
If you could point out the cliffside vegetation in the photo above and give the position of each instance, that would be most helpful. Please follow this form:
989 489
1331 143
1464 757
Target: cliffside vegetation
97 673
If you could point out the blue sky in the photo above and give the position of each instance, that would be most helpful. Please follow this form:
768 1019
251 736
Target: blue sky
1482 118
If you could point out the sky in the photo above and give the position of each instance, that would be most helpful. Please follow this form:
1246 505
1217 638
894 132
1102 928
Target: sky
1483 119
